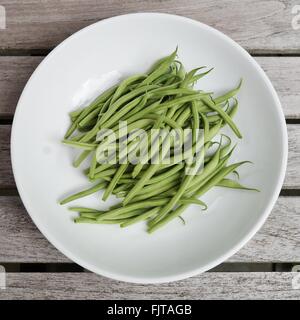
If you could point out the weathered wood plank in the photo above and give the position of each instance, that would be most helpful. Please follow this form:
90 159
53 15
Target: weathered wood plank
214 285
14 71
277 241
259 26
292 179
283 72
20 240
284 75
6 175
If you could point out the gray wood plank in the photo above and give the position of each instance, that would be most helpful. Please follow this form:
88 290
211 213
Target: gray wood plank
20 240
261 26
284 75
6 175
292 179
283 72
269 285
277 241
14 71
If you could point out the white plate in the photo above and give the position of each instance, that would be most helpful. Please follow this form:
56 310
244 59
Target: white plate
44 174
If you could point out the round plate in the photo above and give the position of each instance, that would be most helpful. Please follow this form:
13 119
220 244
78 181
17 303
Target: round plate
43 166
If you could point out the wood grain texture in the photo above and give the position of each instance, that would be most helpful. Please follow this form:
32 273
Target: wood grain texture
270 285
292 179
6 175
277 241
14 71
284 75
258 25
283 72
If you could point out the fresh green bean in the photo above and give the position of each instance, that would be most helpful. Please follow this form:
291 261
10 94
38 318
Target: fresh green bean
228 183
96 221
224 115
84 154
139 218
81 145
114 181
84 193
153 189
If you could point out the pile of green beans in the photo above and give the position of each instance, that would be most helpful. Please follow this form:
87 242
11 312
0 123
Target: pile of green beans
155 192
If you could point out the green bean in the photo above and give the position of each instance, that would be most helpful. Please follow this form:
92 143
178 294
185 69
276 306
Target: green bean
197 77
181 190
93 166
228 183
217 177
145 103
105 173
124 84
189 76
138 205
229 94
236 173
121 188
138 168
127 97
176 213
224 115
164 175
86 120
145 194
114 181
164 77
209 171
169 206
133 206
85 210
91 215
142 217
96 214
214 181
74 114
162 92
84 193
84 154
195 121
181 100
117 116
102 167
96 221
125 181
194 201
81 145
103 97
161 68
166 119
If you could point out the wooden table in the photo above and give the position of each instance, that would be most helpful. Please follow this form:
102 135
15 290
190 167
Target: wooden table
262 269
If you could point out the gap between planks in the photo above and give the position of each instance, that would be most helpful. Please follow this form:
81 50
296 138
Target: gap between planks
223 267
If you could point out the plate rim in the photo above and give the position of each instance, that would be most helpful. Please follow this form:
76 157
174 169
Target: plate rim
194 271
